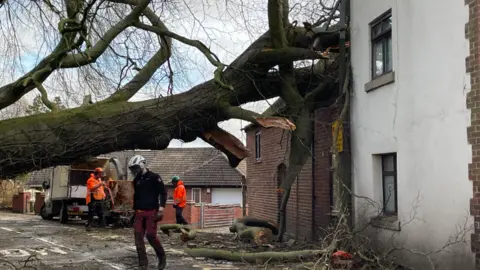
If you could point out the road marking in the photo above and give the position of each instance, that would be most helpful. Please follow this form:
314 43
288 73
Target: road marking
112 265
14 252
52 243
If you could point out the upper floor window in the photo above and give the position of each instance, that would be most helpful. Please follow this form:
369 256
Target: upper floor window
381 37
257 146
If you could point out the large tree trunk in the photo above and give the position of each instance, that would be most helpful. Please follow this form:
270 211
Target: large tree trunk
300 147
44 140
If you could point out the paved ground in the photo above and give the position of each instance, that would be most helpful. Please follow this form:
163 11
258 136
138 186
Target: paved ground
28 241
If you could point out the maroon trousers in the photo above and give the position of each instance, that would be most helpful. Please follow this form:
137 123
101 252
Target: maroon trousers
146 224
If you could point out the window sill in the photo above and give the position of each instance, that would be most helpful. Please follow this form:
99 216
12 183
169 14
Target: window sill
380 81
386 222
258 160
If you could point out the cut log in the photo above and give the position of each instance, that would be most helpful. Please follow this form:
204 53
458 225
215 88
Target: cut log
260 236
259 257
187 234
255 222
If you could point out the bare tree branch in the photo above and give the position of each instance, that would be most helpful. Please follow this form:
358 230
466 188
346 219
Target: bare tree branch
59 58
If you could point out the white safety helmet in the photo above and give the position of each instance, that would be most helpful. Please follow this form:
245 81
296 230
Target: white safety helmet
137 164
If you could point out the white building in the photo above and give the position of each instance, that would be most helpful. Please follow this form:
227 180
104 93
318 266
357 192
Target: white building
409 113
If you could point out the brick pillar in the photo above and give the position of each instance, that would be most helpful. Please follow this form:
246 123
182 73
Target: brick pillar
39 199
20 201
473 103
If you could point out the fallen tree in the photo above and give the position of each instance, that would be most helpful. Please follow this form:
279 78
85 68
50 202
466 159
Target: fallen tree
258 257
63 136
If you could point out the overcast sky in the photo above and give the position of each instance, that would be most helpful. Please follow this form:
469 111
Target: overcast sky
227 27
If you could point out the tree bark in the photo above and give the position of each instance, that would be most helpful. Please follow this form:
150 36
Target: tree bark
258 257
244 196
44 140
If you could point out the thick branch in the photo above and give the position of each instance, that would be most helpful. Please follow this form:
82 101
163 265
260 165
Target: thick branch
43 140
212 58
276 22
91 55
317 92
146 73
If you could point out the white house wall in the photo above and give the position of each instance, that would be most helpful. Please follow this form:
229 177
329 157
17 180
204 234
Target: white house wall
422 117
227 196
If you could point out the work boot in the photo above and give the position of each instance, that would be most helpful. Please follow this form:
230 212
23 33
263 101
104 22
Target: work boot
162 263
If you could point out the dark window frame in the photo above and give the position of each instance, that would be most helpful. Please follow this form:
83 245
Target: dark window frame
258 152
389 173
382 37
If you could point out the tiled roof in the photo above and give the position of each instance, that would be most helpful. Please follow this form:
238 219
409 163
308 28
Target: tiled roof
196 166
36 178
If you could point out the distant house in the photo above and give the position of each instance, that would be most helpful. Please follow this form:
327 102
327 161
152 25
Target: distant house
36 178
309 207
206 172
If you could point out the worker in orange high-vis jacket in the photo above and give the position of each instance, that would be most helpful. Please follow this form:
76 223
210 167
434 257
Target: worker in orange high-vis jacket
95 197
179 199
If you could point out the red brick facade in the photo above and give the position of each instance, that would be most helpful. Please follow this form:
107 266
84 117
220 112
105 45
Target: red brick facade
206 196
308 210
473 103
20 202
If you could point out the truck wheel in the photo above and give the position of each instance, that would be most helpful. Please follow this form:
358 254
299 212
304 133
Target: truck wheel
63 213
43 213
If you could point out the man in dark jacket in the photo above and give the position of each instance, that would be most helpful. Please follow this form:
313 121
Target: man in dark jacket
150 196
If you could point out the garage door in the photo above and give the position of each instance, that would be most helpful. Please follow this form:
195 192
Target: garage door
227 195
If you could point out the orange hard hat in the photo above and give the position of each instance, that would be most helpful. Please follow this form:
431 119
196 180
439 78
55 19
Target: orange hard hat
98 170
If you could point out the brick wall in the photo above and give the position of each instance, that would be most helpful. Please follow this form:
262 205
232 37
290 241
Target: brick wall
309 205
20 202
206 196
473 103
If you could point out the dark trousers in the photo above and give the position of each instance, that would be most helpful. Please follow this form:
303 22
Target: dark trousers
96 207
179 217
146 223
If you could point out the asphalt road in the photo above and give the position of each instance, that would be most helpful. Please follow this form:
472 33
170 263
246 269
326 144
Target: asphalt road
28 242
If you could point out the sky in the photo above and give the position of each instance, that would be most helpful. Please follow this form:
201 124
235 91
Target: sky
226 27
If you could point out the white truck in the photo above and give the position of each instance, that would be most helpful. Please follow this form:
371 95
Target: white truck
66 189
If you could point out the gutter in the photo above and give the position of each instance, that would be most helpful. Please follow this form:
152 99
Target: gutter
314 198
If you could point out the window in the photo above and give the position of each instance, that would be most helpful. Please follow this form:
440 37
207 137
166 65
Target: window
257 146
389 184
196 195
381 35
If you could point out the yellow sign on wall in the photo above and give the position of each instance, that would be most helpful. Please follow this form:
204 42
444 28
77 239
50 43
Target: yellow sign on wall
339 140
